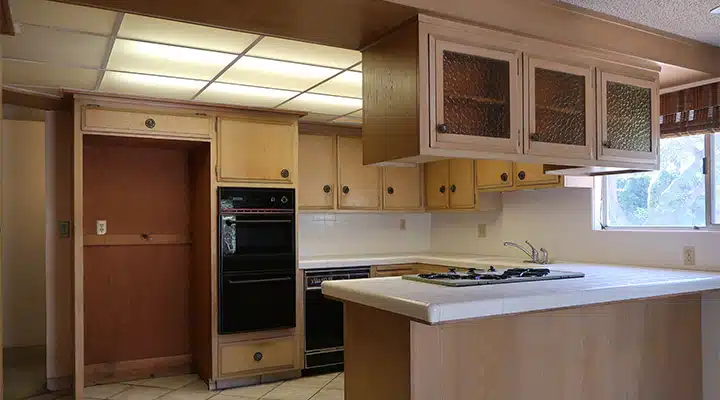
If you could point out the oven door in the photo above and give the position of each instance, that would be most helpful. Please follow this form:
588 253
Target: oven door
250 242
253 302
323 321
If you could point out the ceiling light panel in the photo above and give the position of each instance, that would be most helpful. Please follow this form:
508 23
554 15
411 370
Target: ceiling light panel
276 74
183 34
60 15
348 84
149 85
348 120
313 117
357 68
37 74
322 104
160 59
59 47
244 95
289 50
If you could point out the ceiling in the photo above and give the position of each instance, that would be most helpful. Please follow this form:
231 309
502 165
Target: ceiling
688 18
62 46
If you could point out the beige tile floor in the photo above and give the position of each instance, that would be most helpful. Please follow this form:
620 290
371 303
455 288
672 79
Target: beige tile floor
189 387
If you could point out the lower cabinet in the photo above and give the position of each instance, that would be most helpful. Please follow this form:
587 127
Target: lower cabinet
383 271
257 356
505 176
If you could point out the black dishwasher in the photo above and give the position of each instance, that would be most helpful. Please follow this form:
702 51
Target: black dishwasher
324 319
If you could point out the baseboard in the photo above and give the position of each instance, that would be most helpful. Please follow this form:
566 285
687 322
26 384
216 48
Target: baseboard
137 369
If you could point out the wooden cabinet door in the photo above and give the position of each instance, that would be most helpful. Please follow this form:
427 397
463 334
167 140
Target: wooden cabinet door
476 98
152 123
629 127
317 169
493 174
436 185
560 109
359 185
402 188
462 184
255 150
528 174
257 356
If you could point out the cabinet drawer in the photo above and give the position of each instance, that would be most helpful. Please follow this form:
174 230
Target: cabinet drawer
260 355
145 123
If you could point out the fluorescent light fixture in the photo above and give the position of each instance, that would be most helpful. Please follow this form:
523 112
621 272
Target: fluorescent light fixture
158 81
160 59
323 104
244 95
149 85
715 10
276 74
348 84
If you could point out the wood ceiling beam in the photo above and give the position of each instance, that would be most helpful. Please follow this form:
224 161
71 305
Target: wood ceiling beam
33 100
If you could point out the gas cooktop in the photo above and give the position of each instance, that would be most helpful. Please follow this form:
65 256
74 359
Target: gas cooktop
492 276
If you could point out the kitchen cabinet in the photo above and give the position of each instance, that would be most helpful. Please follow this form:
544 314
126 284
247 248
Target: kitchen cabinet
257 149
317 169
359 184
402 188
528 174
477 97
383 271
450 184
560 108
494 174
257 356
629 112
96 119
477 93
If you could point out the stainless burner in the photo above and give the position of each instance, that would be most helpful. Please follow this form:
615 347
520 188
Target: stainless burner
473 277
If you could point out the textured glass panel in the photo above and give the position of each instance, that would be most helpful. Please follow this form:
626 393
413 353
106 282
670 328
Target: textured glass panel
559 107
476 95
629 117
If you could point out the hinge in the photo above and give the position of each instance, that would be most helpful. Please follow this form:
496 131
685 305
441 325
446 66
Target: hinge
705 166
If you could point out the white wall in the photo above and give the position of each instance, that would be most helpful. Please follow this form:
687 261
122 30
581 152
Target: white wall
362 233
561 221
23 233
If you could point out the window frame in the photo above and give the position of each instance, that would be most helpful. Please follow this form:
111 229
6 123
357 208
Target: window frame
709 164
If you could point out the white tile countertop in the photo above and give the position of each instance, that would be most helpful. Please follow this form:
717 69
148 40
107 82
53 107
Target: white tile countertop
438 304
444 259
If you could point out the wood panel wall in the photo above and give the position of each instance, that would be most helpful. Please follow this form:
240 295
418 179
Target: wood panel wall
136 297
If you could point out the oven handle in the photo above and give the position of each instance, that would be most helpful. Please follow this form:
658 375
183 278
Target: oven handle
287 278
313 288
256 221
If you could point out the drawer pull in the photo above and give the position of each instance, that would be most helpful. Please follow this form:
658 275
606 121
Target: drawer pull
443 128
327 188
504 177
284 173
442 189
453 188
390 190
257 356
150 123
521 175
346 189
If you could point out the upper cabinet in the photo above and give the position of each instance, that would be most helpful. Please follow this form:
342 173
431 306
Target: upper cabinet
317 167
257 149
359 184
477 97
440 89
450 185
560 109
118 120
628 113
402 188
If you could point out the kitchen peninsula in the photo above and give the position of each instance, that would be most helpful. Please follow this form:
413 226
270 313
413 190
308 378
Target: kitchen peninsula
619 332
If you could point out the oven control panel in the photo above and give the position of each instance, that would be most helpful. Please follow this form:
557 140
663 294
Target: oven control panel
315 278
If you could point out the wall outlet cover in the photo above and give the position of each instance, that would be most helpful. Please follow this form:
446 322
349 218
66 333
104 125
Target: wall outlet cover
101 227
402 224
481 230
689 255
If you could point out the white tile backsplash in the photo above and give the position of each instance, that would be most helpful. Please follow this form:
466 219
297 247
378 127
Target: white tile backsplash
358 233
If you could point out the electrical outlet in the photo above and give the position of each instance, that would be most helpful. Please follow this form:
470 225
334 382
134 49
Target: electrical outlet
101 227
481 230
689 255
402 224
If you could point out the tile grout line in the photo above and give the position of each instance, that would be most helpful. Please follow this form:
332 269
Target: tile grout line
320 83
108 52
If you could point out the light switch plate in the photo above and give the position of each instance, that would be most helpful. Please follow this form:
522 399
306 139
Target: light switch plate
101 227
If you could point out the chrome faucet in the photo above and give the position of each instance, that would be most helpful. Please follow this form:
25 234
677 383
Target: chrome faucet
537 257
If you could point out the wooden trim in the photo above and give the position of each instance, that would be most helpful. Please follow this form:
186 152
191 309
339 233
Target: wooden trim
79 273
29 99
138 369
134 240
314 128
7 27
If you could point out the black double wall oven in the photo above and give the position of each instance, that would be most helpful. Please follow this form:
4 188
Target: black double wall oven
257 258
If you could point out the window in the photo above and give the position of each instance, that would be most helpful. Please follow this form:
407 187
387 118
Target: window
679 195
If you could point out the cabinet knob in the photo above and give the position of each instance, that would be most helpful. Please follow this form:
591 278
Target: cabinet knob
453 188
150 123
442 189
327 188
504 177
257 356
346 189
521 175
390 190
443 128
284 173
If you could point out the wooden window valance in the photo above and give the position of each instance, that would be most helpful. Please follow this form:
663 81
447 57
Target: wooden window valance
693 111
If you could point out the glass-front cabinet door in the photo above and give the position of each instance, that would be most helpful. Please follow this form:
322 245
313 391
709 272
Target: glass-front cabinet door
629 119
475 98
560 109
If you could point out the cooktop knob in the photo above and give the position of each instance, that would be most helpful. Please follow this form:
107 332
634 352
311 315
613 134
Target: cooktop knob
492 269
451 270
284 200
272 200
